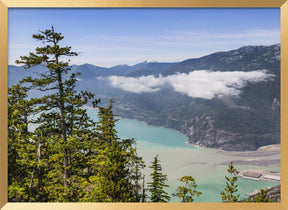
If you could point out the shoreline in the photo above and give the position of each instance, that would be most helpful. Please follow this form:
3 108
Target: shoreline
260 149
207 165
187 139
265 148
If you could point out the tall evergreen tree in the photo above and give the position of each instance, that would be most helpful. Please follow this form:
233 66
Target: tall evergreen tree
67 156
156 186
18 137
231 187
188 191
143 195
60 111
114 163
136 165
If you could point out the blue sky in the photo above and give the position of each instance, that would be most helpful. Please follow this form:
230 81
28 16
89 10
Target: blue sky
108 37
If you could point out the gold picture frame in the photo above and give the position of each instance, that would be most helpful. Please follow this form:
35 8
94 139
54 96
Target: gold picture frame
6 4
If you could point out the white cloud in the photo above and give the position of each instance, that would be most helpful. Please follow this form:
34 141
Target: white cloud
137 85
197 84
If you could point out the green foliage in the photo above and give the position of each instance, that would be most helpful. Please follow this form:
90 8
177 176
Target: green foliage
18 137
61 118
188 191
248 121
158 194
260 198
68 157
116 164
231 187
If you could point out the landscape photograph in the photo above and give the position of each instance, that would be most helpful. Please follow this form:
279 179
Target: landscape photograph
144 105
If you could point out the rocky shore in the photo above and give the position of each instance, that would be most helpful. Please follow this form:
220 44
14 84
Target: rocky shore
273 194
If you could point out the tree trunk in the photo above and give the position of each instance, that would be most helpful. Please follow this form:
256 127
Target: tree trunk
40 170
62 118
26 122
143 190
63 128
32 177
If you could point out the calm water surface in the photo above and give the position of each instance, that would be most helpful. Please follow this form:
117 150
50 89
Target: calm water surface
208 166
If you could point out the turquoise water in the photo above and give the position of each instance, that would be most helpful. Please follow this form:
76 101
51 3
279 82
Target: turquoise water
156 135
128 128
207 166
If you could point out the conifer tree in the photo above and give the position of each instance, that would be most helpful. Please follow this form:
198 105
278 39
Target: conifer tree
143 195
17 126
136 165
113 164
157 184
39 165
68 157
18 137
188 191
231 187
60 111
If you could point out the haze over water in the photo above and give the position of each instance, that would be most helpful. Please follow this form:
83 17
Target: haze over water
207 166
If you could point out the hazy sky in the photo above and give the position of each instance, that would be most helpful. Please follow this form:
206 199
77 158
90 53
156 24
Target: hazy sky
108 37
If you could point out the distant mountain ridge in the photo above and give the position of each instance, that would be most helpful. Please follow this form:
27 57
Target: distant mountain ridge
238 123
245 58
243 122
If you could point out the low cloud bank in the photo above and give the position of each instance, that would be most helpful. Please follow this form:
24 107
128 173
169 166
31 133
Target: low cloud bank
197 84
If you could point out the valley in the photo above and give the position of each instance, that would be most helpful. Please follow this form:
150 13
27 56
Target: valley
228 100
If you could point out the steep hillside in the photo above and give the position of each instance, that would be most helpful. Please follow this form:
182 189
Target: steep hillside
243 122
246 58
245 117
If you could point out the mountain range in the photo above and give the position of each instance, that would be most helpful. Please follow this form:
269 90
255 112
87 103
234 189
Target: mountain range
226 100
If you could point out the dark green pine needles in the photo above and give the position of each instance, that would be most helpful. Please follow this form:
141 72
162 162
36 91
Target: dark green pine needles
68 157
157 185
115 165
231 187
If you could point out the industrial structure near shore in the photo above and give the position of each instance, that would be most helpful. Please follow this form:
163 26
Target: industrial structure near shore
259 175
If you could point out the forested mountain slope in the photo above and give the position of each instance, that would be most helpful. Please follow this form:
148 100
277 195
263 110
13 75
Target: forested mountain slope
227 100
